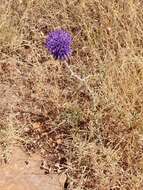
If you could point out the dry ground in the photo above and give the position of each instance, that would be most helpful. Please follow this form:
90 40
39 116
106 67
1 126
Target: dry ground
97 143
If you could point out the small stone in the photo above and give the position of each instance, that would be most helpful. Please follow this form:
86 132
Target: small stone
59 141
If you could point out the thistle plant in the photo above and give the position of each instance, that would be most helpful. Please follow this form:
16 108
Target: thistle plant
59 44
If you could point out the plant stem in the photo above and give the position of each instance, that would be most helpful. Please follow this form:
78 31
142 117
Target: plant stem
82 80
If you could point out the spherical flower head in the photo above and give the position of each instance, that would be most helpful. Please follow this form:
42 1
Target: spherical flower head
59 43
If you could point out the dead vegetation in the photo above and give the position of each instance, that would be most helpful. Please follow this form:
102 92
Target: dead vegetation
45 109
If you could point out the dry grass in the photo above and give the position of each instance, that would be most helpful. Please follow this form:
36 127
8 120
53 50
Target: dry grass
44 108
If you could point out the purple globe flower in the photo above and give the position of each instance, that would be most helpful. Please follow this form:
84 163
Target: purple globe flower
59 44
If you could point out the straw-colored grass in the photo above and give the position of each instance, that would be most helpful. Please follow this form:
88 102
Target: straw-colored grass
98 143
